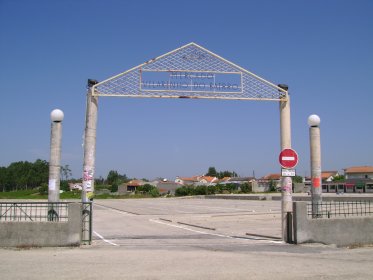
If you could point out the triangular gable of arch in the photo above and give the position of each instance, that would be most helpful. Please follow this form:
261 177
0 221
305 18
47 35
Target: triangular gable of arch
190 71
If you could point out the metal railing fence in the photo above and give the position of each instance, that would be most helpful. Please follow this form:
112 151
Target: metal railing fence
340 209
34 212
46 212
87 223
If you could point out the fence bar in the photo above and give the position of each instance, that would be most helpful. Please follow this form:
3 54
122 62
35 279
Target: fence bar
340 209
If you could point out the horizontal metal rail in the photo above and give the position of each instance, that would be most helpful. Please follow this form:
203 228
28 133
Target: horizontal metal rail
340 209
34 211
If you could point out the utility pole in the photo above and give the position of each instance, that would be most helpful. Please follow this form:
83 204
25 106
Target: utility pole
286 182
90 143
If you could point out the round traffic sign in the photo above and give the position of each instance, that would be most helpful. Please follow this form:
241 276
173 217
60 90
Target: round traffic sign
288 158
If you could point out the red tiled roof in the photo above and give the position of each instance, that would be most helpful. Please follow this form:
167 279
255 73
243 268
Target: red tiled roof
327 174
135 183
359 169
208 178
194 178
273 176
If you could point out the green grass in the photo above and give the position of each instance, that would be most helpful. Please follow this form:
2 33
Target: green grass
34 194
23 194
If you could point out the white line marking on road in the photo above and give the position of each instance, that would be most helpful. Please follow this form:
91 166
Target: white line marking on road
103 239
214 234
115 210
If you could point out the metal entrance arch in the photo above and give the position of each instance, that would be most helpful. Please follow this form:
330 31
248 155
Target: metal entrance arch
190 71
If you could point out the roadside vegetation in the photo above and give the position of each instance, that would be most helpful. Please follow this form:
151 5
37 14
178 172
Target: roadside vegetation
217 189
29 180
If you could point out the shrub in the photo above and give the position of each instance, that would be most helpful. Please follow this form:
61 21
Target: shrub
246 188
43 189
200 190
184 191
154 192
114 188
64 186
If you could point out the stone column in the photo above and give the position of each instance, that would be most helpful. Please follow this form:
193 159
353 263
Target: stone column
286 182
89 146
55 156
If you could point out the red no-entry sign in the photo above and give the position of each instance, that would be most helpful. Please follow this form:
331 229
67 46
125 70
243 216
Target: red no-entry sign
288 158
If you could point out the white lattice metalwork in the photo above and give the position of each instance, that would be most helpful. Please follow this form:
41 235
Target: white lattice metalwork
190 72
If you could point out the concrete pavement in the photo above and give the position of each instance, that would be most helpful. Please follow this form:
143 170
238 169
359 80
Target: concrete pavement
187 239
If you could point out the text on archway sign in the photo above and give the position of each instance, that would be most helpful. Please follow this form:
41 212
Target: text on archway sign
192 81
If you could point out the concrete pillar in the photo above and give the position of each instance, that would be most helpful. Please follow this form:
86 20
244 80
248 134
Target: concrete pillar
315 152
286 182
55 156
89 146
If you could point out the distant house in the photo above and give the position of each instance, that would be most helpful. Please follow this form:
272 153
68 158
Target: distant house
166 187
196 180
236 180
75 186
328 176
186 180
224 180
272 176
359 172
131 186
207 180
268 182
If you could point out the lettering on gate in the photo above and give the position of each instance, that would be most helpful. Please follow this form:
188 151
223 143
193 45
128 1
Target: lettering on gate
193 81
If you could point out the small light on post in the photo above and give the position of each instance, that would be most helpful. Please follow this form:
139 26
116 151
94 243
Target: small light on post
57 115
314 120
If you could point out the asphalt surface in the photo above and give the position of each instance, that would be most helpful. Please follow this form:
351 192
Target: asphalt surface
187 239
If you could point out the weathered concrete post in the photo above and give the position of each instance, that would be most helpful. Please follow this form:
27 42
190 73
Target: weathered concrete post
89 143
55 156
286 182
315 152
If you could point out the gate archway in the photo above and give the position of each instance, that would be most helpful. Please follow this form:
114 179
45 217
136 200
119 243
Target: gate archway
190 71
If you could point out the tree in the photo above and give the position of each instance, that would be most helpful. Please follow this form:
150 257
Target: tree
148 189
65 172
272 186
3 178
339 178
211 172
226 173
64 186
246 187
24 175
297 179
43 189
115 177
40 169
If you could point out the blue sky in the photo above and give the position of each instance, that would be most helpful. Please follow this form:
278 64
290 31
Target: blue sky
322 49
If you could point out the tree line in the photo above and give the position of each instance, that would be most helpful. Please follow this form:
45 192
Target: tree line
23 175
220 174
214 189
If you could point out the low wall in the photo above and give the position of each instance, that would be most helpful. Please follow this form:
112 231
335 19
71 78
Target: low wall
44 234
339 231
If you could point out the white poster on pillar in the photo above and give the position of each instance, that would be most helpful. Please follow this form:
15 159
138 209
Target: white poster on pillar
52 184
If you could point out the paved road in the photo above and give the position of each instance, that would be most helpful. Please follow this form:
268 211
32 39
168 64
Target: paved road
187 239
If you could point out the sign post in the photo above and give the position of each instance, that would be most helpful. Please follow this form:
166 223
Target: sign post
288 159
